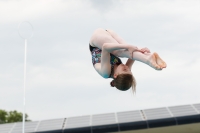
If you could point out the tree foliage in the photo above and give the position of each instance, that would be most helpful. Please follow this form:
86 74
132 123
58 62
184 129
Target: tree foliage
3 115
11 116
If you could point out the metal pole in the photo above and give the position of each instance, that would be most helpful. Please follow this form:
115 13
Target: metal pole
23 127
22 35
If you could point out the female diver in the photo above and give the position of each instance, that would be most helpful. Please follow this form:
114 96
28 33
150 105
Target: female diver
106 47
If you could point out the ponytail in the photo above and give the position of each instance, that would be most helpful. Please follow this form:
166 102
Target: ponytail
112 83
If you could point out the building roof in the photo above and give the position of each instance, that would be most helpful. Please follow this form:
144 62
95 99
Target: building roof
176 119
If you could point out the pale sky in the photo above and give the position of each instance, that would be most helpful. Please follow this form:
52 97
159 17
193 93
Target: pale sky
61 81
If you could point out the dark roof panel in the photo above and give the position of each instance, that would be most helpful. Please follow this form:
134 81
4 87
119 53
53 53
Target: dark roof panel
188 119
106 128
154 123
133 126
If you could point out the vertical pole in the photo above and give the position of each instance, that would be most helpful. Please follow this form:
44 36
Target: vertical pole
23 126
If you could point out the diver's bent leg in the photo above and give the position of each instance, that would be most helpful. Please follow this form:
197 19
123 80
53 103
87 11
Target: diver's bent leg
147 58
153 60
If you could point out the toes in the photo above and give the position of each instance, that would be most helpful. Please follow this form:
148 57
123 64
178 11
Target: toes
164 65
157 67
160 62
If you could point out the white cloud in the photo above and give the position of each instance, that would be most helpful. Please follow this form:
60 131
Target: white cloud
15 11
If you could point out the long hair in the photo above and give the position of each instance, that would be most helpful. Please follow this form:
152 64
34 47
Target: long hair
123 82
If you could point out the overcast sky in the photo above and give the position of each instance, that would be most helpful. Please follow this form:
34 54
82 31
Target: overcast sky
61 81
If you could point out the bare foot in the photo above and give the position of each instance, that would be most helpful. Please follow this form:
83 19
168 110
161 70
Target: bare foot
159 61
152 62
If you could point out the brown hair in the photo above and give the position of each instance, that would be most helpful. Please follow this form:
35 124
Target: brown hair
123 82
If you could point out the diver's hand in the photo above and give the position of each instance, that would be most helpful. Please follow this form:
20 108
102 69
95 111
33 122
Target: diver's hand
132 49
145 50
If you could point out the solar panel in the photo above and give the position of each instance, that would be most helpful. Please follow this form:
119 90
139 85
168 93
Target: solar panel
75 122
6 128
182 110
197 106
156 113
29 127
112 122
55 124
129 116
103 119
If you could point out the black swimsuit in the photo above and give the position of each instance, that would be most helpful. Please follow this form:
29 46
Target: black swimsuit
96 58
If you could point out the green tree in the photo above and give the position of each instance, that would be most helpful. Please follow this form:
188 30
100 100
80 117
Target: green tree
11 116
3 115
